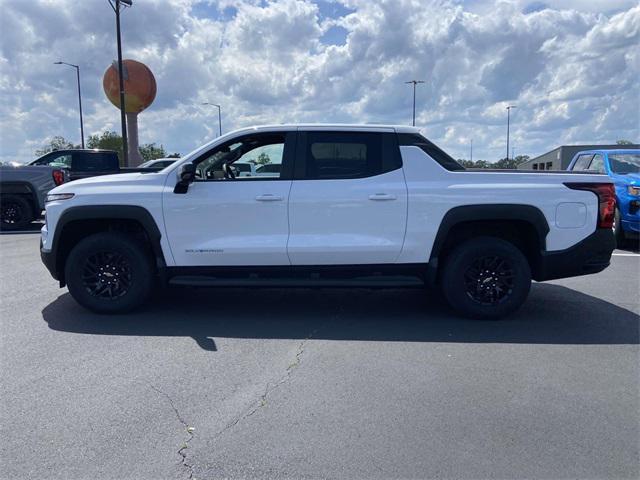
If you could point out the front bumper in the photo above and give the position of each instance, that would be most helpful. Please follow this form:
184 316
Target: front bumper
630 226
629 207
591 255
49 260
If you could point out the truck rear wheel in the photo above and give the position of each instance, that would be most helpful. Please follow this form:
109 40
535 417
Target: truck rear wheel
16 212
486 278
109 273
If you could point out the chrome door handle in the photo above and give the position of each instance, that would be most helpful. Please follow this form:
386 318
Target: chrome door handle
268 197
382 196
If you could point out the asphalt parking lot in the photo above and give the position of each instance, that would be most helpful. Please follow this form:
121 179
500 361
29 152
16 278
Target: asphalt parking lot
304 383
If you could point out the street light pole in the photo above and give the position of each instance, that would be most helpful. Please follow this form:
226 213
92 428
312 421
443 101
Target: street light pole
509 107
123 118
219 116
414 82
79 98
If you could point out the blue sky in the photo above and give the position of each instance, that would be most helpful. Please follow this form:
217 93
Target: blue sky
571 67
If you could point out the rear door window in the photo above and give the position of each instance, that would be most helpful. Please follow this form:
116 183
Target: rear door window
344 155
94 162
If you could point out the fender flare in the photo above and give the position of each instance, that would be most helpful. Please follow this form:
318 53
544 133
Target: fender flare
111 212
21 188
483 212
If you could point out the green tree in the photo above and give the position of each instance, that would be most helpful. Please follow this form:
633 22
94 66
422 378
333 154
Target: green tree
110 140
150 151
509 163
56 143
624 142
106 141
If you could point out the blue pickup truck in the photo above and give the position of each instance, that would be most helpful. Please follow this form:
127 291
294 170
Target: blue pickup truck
623 166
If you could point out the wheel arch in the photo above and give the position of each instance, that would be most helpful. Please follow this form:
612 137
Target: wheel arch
79 222
23 189
523 225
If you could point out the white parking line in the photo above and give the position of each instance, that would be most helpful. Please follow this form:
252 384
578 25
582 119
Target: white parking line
626 254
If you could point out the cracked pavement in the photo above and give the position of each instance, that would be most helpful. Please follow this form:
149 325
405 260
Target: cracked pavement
303 384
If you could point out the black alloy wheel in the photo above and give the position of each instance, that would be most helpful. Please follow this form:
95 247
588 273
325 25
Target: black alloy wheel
489 280
15 212
107 275
485 277
110 272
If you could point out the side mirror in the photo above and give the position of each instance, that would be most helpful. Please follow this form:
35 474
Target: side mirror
186 176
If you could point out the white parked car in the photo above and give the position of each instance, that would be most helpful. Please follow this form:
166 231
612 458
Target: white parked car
158 163
337 206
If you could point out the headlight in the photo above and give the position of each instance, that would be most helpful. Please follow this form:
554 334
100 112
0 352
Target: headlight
52 197
631 190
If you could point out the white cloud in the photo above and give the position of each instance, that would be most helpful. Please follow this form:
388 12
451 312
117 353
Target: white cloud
571 67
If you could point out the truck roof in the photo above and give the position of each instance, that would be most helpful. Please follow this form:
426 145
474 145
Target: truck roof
85 150
609 150
331 126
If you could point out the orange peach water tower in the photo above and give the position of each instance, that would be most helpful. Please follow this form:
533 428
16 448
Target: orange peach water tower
139 92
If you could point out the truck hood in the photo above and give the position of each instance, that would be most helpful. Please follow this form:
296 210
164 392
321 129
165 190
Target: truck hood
103 181
628 179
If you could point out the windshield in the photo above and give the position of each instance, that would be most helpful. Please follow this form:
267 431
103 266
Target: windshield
625 163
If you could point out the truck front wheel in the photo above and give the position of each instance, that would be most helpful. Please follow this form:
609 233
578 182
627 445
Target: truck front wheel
486 278
621 238
109 273
16 212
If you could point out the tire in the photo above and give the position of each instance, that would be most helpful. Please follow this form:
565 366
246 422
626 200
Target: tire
109 273
16 212
486 278
618 232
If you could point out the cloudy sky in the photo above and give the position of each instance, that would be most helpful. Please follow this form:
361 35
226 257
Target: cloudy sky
572 67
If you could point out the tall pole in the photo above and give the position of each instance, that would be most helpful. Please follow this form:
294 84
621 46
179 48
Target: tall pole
509 107
472 149
123 118
80 107
414 82
79 98
219 120
219 116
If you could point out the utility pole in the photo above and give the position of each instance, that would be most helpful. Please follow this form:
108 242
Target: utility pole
472 149
123 118
79 98
219 116
509 107
414 82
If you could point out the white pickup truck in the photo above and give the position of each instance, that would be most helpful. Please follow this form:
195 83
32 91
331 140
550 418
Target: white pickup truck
333 205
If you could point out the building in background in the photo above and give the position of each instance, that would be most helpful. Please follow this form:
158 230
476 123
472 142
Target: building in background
559 158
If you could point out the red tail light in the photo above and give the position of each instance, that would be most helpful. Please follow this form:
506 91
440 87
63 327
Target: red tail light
58 177
606 194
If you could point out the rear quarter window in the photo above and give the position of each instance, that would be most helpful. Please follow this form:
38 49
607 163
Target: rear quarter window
431 149
95 162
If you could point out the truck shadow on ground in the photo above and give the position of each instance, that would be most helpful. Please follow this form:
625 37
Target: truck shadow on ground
33 228
553 314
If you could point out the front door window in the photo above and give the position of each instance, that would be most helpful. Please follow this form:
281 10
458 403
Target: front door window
254 157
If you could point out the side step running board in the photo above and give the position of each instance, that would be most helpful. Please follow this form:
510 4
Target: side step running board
379 281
